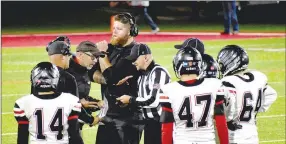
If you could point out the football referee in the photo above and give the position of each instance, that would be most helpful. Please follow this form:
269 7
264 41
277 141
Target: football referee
153 77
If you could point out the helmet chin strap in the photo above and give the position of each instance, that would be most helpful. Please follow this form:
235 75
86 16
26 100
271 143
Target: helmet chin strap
177 74
202 70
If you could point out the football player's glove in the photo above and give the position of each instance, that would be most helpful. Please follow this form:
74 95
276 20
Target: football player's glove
233 125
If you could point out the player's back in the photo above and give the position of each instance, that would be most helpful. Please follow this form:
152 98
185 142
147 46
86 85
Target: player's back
249 90
47 116
193 109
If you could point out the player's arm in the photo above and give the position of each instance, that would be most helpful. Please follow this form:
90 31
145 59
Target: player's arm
268 97
167 120
85 117
229 93
73 129
23 125
220 119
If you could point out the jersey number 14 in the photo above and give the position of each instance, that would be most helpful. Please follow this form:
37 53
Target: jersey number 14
53 126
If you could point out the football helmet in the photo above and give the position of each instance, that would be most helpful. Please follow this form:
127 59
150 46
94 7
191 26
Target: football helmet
187 61
45 77
232 59
210 67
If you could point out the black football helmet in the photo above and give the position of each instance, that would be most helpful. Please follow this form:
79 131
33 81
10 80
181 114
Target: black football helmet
45 77
187 61
210 67
232 59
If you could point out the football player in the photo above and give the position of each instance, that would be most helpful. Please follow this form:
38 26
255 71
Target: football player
46 115
253 94
210 67
190 104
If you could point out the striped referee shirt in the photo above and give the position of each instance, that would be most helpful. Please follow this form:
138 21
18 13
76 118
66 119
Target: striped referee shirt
149 88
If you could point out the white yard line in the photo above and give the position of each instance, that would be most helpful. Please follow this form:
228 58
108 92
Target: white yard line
6 113
7 134
271 116
267 49
269 141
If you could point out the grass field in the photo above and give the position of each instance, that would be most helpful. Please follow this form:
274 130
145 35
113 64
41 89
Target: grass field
266 55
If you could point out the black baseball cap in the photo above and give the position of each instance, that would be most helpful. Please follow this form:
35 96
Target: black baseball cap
138 50
193 43
58 47
88 46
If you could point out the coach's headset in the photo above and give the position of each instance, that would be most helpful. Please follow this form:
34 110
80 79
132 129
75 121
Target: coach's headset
133 29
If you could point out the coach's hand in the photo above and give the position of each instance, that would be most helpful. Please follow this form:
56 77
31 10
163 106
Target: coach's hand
124 80
102 46
96 120
100 104
88 104
125 99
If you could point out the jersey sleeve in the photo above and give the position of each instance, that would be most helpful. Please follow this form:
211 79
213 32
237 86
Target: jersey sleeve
75 111
166 118
167 111
229 94
157 80
268 97
23 123
73 129
220 118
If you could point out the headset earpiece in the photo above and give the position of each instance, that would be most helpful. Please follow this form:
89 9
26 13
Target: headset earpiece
133 27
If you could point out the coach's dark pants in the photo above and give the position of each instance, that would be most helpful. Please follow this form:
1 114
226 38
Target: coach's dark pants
139 11
152 132
119 131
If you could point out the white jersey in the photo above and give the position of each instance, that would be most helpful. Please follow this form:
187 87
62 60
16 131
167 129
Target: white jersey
193 110
46 116
253 95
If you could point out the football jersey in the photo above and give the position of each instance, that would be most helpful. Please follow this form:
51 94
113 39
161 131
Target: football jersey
47 118
193 110
253 95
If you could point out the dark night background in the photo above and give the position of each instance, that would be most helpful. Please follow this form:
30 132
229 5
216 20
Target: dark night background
37 13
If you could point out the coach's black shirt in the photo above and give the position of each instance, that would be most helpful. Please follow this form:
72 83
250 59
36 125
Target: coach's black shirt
120 68
81 76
